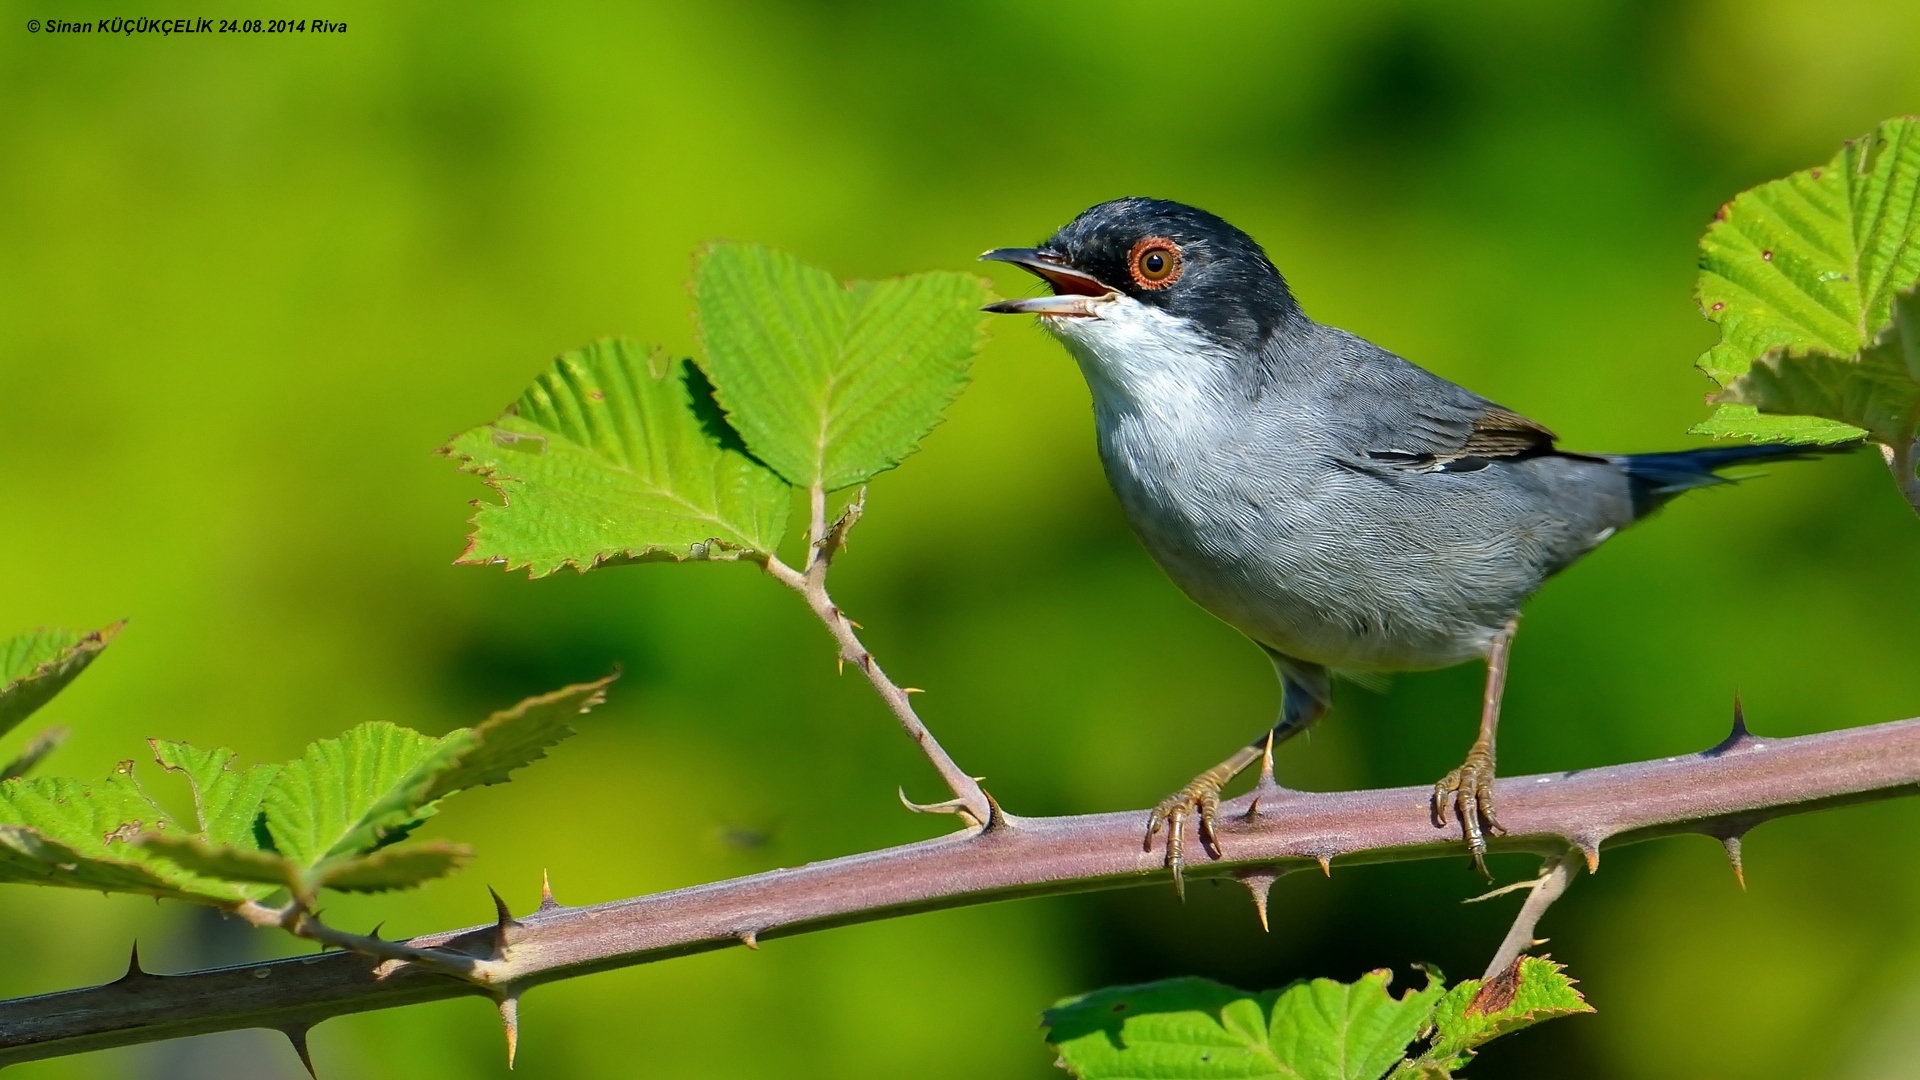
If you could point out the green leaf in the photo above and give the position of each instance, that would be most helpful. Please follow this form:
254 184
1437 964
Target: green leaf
1876 390
231 843
79 834
1474 1013
1810 264
490 750
1196 1028
226 802
830 384
401 866
38 664
1731 421
29 857
318 804
610 457
227 862
370 787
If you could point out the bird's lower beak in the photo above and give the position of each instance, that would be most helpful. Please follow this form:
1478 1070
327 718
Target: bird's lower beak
1075 291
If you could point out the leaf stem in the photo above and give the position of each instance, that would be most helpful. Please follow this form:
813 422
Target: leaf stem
296 919
823 542
817 524
1554 878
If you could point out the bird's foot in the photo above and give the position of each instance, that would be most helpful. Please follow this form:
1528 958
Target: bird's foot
1201 797
1466 794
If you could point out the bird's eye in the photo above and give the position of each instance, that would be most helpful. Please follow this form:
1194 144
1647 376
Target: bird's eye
1154 263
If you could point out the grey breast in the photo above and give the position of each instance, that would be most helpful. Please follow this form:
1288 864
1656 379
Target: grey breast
1281 518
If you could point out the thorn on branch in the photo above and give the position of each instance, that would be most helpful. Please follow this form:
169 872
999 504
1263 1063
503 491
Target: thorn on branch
951 806
509 1005
1730 833
751 939
1260 883
297 1035
1530 884
996 818
1326 864
547 902
1737 739
506 929
1732 844
135 973
947 806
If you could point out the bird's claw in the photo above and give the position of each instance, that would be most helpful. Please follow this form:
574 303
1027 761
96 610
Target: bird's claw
1466 795
1201 796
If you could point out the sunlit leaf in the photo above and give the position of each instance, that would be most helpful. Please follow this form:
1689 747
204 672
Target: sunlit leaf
613 457
80 834
350 796
226 800
469 757
38 664
318 804
1810 264
331 819
1475 1012
401 866
832 383
1876 390
1196 1029
225 861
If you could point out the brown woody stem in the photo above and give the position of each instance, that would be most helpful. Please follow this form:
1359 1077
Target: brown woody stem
1554 878
296 919
823 542
1719 792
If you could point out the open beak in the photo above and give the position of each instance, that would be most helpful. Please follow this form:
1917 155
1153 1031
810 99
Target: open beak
1075 291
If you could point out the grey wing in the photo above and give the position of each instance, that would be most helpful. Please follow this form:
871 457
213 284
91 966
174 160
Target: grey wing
1423 430
1404 417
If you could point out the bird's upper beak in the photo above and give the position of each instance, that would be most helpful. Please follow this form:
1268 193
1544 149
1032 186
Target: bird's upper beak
1075 291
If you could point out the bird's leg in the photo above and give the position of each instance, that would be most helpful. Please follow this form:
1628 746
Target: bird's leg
1304 694
1202 794
1467 792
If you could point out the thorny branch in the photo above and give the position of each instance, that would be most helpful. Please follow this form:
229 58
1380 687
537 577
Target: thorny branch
823 542
298 919
1721 792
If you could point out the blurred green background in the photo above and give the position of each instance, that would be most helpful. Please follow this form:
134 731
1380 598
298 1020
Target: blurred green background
248 284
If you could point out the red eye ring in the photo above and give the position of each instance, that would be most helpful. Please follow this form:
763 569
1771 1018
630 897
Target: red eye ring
1154 263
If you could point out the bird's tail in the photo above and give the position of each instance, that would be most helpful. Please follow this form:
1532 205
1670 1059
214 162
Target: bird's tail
1656 478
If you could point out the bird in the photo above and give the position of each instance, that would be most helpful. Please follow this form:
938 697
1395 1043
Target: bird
1344 508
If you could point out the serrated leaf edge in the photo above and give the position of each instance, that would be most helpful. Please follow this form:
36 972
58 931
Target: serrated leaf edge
712 549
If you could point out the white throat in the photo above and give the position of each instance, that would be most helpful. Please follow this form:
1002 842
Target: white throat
1148 367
